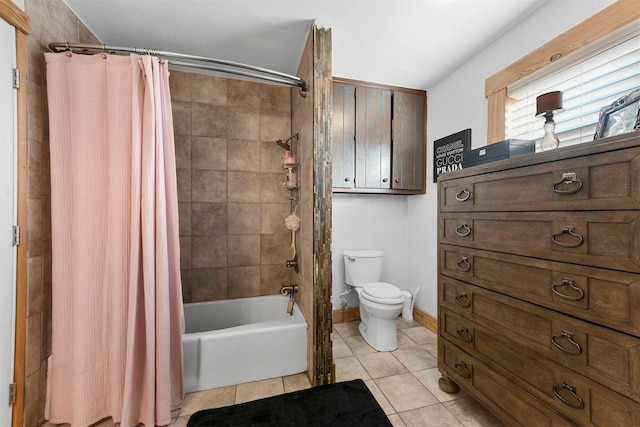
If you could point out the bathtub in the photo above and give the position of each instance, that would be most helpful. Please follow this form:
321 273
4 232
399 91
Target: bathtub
241 340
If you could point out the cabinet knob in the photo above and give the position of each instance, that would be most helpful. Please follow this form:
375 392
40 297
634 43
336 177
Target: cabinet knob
347 179
385 179
397 180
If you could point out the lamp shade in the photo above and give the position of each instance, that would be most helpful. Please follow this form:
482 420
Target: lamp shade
547 102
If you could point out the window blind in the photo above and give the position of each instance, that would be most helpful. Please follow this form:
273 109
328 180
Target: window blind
589 81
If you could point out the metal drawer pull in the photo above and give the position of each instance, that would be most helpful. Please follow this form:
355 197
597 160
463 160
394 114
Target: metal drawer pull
463 230
463 300
578 404
569 336
463 195
464 335
462 369
569 283
570 231
567 178
463 264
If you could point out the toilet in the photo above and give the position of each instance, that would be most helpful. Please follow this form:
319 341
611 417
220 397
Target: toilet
380 302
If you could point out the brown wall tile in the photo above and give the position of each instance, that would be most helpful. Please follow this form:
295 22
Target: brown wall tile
208 251
208 219
243 282
208 153
206 89
243 218
243 250
243 155
208 284
208 120
243 124
208 186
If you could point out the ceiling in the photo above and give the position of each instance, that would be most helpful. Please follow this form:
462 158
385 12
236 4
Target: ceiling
410 43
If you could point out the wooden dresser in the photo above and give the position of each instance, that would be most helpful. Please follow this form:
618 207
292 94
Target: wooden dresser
539 285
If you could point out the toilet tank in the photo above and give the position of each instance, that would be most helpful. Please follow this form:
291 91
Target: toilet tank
362 266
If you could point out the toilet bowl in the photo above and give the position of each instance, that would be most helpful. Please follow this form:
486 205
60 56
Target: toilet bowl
380 302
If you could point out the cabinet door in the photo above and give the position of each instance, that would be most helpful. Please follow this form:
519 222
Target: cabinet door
344 111
408 170
373 138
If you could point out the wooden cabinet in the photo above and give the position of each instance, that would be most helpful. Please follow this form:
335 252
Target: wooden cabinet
378 138
539 284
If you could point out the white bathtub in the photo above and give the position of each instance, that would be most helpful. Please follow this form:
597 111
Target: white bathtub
241 340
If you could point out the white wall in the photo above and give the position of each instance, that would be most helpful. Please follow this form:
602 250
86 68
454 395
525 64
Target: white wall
456 103
370 222
19 3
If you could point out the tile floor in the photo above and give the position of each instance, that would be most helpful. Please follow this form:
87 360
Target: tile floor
404 381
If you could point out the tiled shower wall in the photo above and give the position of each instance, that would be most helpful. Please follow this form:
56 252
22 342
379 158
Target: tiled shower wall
233 240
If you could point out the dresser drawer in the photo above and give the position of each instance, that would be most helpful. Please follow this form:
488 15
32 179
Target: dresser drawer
609 298
595 182
602 239
574 396
508 401
607 356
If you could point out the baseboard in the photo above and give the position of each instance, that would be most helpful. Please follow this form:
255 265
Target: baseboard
425 320
341 316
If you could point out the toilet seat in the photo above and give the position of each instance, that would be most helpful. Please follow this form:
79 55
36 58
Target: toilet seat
382 293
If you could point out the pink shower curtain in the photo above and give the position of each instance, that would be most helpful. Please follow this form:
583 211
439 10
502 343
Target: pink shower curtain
117 299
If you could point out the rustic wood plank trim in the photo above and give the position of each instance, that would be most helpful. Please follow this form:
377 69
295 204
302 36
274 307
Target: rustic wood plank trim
378 86
348 315
15 16
613 17
425 320
21 267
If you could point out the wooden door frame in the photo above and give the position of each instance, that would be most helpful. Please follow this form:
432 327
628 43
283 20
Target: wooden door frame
13 15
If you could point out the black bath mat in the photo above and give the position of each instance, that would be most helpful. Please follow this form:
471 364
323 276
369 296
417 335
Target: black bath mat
347 404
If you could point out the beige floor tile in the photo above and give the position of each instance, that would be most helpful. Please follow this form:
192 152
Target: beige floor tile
396 421
472 414
415 358
347 329
429 378
349 368
382 400
405 392
421 335
404 341
358 345
381 364
296 382
340 349
432 348
404 324
180 421
259 389
214 398
429 416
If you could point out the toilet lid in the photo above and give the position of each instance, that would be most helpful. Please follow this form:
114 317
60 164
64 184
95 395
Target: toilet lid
382 292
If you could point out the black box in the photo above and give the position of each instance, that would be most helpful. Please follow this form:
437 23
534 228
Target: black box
500 150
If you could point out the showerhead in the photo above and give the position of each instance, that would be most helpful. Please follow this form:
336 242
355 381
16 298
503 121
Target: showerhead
282 143
285 143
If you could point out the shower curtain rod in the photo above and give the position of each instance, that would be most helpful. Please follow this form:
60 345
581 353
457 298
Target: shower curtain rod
190 61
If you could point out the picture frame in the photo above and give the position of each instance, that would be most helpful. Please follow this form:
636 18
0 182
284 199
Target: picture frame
620 117
448 152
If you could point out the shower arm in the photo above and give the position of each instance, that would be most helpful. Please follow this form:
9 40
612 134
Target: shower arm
188 61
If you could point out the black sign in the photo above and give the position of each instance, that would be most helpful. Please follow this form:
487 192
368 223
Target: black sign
449 151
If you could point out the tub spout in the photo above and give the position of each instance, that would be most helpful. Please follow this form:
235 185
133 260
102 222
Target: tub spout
289 290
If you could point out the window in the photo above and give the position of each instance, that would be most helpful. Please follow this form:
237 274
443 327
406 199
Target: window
590 79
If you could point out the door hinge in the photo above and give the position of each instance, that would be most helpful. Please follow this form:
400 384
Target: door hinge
12 394
16 78
16 235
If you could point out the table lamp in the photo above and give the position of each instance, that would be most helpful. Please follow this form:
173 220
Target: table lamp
546 104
